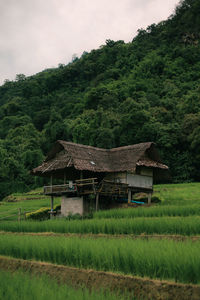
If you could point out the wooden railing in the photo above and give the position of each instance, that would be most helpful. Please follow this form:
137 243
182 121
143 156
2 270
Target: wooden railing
91 186
60 189
113 188
87 186
81 186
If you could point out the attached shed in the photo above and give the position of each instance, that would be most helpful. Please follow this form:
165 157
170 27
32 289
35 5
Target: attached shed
86 170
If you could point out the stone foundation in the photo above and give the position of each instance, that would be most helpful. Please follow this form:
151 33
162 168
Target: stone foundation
73 205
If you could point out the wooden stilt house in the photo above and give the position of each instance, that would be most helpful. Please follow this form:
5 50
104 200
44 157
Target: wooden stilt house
113 173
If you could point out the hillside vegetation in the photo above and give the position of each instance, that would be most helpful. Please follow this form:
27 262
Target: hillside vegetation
119 94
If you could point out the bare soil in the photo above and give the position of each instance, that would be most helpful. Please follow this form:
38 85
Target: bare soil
141 288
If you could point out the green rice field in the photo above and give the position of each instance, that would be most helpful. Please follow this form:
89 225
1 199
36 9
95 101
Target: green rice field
163 259
27 287
162 225
181 194
174 259
154 211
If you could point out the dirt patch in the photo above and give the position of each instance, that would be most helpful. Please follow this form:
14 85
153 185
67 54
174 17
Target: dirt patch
109 236
141 288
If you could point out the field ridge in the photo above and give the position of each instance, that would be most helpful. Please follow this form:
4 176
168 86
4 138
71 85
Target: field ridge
140 286
108 236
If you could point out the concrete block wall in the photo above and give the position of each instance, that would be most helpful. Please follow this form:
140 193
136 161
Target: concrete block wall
73 205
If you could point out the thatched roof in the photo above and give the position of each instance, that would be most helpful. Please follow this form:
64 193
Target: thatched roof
66 155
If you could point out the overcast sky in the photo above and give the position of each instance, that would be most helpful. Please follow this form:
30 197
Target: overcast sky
40 34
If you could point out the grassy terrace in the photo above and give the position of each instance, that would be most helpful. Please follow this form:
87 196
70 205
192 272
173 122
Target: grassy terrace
179 213
154 211
164 259
177 200
163 225
183 193
25 286
28 202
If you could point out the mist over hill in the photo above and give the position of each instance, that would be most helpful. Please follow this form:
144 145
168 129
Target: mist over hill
119 94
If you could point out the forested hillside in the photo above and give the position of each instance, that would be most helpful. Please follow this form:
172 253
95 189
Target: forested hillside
119 94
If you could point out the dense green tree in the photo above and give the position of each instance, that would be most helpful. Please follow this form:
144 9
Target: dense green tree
119 94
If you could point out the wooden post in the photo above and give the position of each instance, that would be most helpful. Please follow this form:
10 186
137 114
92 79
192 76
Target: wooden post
93 186
51 182
129 196
149 198
51 203
81 175
19 214
97 201
64 178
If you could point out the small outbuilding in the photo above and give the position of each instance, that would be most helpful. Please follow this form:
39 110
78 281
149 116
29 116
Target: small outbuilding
89 174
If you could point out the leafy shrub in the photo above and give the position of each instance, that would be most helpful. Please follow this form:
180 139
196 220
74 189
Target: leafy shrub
42 213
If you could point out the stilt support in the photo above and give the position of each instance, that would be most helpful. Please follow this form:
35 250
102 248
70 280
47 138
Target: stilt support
149 198
129 196
97 201
51 203
51 182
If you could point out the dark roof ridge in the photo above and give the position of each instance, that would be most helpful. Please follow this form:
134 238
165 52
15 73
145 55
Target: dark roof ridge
81 145
147 144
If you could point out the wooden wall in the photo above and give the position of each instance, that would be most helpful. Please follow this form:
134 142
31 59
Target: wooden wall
143 178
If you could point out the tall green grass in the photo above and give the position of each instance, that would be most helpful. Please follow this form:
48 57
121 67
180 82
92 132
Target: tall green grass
154 211
19 285
164 259
11 208
182 193
163 225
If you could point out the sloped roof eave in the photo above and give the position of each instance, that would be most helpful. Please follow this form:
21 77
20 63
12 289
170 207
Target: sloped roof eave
82 157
